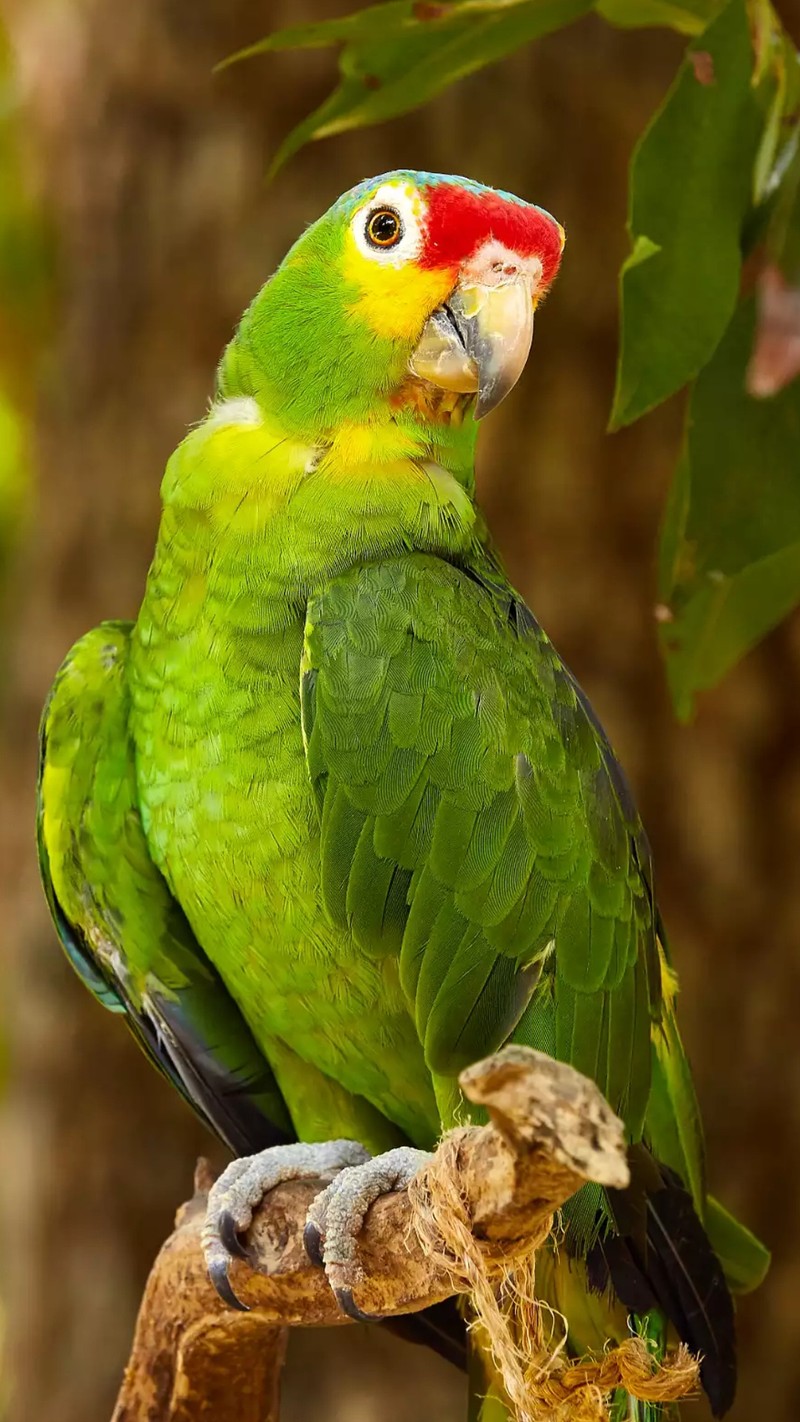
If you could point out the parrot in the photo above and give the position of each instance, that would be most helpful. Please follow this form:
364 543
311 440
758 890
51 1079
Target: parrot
332 820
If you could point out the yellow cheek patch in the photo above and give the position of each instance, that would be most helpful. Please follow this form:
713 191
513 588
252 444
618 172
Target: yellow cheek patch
395 301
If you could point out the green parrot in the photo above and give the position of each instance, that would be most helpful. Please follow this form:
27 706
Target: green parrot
332 820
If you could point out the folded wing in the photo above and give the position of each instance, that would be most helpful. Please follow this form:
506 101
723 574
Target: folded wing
117 920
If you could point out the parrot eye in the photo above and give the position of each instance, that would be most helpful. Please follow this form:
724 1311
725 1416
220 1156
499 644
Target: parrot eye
387 229
384 228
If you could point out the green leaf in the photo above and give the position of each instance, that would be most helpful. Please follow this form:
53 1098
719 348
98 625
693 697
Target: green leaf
730 566
399 55
688 17
376 22
690 191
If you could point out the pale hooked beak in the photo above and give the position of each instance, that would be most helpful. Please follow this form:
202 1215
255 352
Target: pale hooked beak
479 339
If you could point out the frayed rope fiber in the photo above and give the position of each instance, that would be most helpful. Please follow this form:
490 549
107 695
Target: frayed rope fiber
541 1383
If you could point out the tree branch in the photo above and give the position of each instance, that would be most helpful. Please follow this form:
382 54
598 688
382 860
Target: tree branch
193 1358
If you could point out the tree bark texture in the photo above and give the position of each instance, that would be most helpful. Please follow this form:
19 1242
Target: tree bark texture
152 172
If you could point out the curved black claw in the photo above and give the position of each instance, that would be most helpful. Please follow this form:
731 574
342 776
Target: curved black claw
348 1305
312 1243
218 1274
228 1233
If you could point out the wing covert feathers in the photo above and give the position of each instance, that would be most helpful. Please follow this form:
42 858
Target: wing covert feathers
475 823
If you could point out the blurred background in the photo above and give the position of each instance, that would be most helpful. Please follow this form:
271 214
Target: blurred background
149 225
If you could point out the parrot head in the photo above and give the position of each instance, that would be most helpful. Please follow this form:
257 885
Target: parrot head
411 284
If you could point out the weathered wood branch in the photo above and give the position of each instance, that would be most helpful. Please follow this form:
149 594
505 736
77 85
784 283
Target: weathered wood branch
193 1358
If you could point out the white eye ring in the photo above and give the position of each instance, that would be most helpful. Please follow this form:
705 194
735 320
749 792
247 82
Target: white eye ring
403 202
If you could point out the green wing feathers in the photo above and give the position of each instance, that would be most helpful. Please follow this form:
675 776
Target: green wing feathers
674 1132
471 823
475 824
120 926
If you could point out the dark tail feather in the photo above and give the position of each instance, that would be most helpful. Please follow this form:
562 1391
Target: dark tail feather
692 1289
662 1258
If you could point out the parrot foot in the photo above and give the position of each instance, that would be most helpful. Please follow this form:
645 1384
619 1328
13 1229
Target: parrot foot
233 1198
337 1214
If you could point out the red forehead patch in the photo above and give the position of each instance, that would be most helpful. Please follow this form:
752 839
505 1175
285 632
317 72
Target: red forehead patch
460 220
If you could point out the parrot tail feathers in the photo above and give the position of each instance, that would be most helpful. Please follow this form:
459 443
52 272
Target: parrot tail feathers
700 1305
666 1262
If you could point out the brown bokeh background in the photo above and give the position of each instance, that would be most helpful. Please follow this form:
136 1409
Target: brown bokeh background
152 172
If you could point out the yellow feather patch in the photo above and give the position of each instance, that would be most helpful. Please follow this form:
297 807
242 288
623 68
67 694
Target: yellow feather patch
242 470
56 826
395 301
383 442
384 457
669 979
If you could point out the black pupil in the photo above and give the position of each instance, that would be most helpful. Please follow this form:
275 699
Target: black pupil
384 227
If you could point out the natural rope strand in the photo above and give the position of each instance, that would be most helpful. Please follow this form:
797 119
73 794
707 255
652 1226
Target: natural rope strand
541 1383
